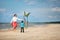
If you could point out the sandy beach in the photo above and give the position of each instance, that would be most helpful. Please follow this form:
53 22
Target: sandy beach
38 32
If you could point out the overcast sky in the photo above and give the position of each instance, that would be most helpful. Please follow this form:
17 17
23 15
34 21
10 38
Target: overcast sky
41 10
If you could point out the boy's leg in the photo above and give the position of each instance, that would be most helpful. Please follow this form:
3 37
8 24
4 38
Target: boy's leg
23 29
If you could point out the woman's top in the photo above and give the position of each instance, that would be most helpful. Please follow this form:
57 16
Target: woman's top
14 19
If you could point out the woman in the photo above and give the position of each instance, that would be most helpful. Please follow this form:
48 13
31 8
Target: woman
14 21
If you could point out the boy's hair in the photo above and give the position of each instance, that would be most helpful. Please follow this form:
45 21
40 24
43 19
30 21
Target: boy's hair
22 21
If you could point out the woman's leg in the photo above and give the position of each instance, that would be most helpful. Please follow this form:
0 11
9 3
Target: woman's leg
14 24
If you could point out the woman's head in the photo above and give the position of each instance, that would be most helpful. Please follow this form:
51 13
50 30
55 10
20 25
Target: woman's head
15 15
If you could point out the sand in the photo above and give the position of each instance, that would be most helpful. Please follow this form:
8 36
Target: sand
38 32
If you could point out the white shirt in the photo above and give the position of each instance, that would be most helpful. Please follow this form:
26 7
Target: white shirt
14 19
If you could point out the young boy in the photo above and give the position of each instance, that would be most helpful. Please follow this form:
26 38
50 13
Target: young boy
22 26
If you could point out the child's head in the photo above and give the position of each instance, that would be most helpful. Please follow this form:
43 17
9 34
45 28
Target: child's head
15 15
22 21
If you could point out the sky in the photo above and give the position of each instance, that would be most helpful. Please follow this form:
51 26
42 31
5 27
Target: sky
40 10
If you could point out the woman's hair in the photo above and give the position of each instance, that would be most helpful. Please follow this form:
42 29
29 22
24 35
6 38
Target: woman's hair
15 14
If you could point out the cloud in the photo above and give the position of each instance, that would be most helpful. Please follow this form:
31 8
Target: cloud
56 9
56 1
30 2
48 9
53 0
45 9
50 16
2 9
53 16
42 12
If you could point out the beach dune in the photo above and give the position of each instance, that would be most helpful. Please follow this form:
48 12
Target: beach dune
38 32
